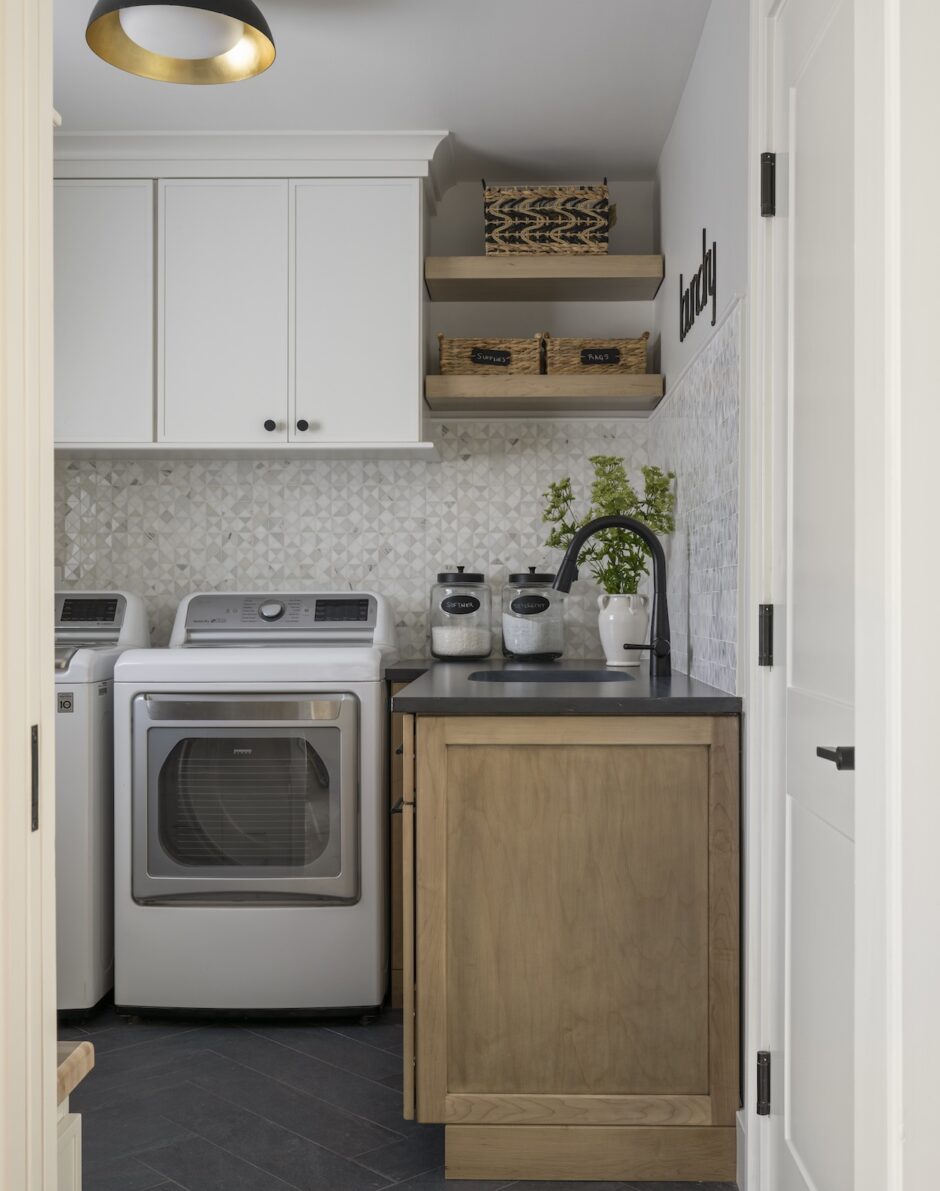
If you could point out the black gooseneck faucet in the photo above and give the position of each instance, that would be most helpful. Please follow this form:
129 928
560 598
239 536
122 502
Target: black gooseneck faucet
660 664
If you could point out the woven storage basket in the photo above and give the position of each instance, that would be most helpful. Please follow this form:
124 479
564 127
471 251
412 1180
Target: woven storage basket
497 357
596 355
567 220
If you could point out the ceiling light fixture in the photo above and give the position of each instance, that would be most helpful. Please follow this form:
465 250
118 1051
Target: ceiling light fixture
209 41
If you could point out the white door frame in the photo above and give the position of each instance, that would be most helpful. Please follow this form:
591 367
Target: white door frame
763 583
27 857
897 579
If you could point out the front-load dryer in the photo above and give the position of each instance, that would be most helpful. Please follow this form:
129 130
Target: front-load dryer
251 807
92 630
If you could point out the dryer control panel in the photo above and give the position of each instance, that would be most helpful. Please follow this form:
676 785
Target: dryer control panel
100 618
103 611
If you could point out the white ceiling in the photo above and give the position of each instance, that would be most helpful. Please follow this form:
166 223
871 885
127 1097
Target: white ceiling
541 89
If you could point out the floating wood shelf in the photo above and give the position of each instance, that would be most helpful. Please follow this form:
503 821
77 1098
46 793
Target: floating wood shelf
624 393
543 278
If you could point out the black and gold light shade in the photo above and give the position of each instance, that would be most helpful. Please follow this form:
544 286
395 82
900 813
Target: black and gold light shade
175 41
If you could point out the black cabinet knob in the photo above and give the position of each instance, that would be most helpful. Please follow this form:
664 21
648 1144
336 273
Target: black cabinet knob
302 425
270 424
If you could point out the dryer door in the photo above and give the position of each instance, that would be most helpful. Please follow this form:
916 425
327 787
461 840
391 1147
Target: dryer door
245 798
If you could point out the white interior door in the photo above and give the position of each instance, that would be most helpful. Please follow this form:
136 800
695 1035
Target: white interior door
813 352
27 812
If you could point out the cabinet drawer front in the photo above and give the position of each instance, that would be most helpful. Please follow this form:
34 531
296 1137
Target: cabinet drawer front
577 923
224 322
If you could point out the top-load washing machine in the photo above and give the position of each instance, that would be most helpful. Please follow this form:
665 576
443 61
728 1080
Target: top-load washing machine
92 630
251 809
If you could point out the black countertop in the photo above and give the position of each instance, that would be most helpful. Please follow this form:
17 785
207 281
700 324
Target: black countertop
408 669
444 689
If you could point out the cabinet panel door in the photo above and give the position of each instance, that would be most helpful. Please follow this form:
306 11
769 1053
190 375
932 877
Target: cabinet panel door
104 311
577 922
357 316
224 256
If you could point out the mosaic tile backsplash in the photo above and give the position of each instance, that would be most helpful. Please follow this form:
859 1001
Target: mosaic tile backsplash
694 433
164 528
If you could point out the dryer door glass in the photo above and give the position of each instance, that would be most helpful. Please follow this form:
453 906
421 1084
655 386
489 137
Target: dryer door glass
241 799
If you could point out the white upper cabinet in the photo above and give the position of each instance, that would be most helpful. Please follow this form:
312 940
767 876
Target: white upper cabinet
243 292
104 311
223 310
357 310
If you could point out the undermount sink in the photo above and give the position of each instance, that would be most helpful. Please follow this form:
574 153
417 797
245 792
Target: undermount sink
548 676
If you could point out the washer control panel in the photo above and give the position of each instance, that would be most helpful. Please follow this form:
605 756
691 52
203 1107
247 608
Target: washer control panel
297 614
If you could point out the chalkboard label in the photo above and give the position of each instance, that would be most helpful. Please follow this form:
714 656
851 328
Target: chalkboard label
530 605
461 605
600 355
491 355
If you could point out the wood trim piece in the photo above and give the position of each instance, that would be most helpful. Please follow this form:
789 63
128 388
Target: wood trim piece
582 1152
548 278
480 1108
655 730
431 919
408 758
724 925
408 959
395 770
582 393
75 1060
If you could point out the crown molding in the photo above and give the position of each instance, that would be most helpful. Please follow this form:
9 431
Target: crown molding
427 155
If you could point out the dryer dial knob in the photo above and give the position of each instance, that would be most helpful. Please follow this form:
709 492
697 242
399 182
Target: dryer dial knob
272 611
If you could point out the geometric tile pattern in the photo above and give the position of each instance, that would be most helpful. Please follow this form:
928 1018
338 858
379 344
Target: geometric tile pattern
164 528
262 1106
695 433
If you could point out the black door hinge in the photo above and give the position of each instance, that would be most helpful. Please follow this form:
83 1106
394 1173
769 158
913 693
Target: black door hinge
34 777
768 184
763 1083
765 635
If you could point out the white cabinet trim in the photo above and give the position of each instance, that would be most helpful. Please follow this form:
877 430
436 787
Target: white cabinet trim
196 450
381 155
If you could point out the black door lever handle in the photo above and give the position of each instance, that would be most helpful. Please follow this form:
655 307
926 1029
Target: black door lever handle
842 755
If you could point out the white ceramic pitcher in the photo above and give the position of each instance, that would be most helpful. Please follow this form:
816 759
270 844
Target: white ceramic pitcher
622 619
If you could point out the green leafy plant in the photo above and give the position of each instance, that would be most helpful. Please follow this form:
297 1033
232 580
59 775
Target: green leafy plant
617 558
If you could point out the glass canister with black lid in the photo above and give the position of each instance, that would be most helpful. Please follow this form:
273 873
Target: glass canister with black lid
460 619
533 617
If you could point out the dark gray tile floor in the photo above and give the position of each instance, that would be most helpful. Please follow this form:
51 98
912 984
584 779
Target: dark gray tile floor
262 1106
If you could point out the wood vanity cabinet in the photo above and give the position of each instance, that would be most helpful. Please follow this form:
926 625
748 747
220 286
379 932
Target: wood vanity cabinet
571 943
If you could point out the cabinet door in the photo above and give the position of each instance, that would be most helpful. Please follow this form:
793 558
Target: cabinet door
577 922
104 311
357 310
223 305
